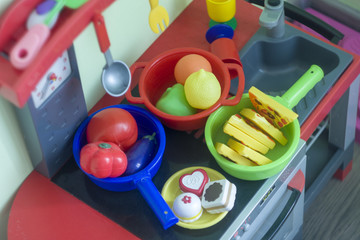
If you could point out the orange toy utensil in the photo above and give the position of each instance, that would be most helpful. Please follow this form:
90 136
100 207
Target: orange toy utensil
277 110
158 16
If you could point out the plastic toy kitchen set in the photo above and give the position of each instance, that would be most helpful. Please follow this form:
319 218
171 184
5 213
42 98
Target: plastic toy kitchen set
228 130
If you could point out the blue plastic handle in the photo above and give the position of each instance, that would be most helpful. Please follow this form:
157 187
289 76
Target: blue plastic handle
153 197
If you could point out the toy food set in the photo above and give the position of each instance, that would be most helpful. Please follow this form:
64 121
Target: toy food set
187 207
189 64
113 125
218 196
147 150
252 134
228 152
263 124
174 102
259 115
103 159
244 126
202 89
247 152
262 103
158 75
174 191
140 154
244 138
279 155
113 147
278 110
194 182
200 192
196 88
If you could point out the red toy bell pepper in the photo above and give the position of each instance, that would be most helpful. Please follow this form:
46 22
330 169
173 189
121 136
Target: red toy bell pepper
103 159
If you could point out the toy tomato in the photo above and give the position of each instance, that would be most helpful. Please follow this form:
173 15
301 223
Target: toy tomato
113 125
103 159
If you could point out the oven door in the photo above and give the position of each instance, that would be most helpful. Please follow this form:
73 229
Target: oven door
282 217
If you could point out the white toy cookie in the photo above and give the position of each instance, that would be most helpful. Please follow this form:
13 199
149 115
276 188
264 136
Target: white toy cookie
218 196
187 207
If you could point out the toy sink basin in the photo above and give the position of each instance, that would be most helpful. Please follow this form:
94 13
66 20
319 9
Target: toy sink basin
273 65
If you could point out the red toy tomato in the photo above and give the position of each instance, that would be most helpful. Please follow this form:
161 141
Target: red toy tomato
113 125
103 159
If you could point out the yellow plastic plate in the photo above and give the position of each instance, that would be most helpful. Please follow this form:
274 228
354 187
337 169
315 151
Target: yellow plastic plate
171 190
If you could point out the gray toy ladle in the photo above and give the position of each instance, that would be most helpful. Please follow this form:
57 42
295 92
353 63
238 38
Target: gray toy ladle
116 76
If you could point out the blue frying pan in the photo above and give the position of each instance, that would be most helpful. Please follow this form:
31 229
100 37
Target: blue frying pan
147 124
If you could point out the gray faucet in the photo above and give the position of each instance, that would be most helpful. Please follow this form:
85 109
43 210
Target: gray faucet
273 18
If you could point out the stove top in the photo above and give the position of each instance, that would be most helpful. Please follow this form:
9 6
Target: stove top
131 211
183 149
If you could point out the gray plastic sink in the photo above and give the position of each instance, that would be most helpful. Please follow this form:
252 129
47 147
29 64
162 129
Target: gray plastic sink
273 65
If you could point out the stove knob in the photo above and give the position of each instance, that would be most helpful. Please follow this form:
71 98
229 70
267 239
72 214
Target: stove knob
52 76
246 227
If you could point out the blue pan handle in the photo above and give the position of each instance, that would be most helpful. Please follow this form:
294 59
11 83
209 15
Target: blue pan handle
153 197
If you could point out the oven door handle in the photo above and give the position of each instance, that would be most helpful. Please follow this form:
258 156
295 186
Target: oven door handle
296 185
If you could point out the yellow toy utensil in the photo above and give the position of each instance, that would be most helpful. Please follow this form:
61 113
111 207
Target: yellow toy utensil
158 16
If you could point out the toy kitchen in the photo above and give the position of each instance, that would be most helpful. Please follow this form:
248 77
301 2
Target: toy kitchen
256 48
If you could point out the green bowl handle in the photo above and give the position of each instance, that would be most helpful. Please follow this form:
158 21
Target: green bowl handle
302 86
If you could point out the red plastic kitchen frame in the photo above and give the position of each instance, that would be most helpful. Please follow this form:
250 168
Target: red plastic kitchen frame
17 85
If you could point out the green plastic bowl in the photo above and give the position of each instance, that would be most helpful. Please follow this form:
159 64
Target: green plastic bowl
280 155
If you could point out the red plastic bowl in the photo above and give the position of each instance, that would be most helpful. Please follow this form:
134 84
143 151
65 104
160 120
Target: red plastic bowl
158 75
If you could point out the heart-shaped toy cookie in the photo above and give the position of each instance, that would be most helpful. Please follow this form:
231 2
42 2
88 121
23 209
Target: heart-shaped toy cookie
194 182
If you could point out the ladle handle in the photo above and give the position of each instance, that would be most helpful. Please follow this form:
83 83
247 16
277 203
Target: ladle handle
241 84
153 197
129 97
101 33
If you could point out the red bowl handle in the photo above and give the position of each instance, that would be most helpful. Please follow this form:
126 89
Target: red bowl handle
236 99
129 97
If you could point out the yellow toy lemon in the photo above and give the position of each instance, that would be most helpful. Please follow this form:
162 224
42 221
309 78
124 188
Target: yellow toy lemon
202 89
